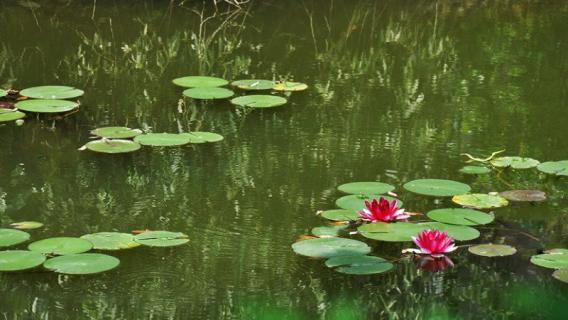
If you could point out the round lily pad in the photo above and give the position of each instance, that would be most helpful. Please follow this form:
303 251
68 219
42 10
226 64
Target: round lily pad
330 247
458 216
365 188
111 240
359 265
202 136
480 201
561 274
515 162
46 106
340 215
10 115
492 250
475 170
116 132
357 202
112 146
290 86
259 101
161 238
404 231
17 260
199 82
24 225
523 195
559 168
253 84
328 231
556 260
437 187
52 92
82 263
61 246
162 139
4 93
11 237
459 233
208 93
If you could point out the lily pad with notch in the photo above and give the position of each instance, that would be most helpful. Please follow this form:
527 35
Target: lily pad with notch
116 132
523 195
10 115
340 215
290 86
61 246
199 82
459 216
19 260
26 225
52 92
253 84
558 168
557 259
404 231
515 162
259 101
202 137
357 202
162 139
47 106
475 170
437 187
492 250
561 274
328 231
112 146
208 93
480 201
161 238
365 188
82 263
330 247
111 240
11 237
359 264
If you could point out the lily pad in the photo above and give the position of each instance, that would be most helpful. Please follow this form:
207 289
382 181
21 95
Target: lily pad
259 101
52 92
253 84
330 247
559 168
11 237
112 146
357 202
208 93
555 260
515 162
82 263
458 216
4 93
46 106
459 233
359 265
328 231
365 188
162 139
18 260
492 250
561 274
111 240
116 132
290 86
161 238
523 195
480 201
340 215
437 187
404 231
202 136
61 246
475 170
24 225
199 82
10 115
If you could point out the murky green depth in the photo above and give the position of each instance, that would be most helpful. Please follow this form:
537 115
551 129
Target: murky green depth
398 89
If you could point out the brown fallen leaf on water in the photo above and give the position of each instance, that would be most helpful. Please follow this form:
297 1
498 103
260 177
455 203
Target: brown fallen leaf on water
305 237
139 231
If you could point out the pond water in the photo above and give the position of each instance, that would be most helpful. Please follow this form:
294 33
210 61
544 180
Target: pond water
398 90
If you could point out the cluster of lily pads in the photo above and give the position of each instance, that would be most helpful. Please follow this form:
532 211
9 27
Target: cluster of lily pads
558 168
70 255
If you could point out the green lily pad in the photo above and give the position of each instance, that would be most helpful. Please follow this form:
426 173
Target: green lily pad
52 92
480 201
161 238
61 246
328 231
116 132
259 101
18 260
555 260
437 187
111 240
112 146
82 263
559 168
404 231
290 86
523 195
357 202
365 188
10 115
515 162
162 139
475 170
4 93
458 216
561 274
492 250
330 247
199 82
11 237
459 233
557 251
202 136
24 225
340 215
46 106
208 93
253 84
359 265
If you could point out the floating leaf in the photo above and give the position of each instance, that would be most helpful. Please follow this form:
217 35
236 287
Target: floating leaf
290 86
459 233
515 162
330 247
17 260
26 225
561 274
555 260
111 240
82 263
559 168
437 187
480 201
116 132
61 246
202 137
359 264
208 93
52 92
253 84
4 93
259 101
112 146
365 188
357 202
523 195
475 170
340 215
11 237
404 231
458 216
199 82
557 251
162 139
161 238
46 106
492 250
10 115
328 231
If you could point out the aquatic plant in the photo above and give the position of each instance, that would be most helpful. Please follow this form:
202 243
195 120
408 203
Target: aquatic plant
433 242
382 210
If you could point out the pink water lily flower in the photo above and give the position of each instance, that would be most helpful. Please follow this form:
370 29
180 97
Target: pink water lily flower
382 210
433 242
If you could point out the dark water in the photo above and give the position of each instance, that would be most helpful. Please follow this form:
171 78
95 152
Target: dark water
398 89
